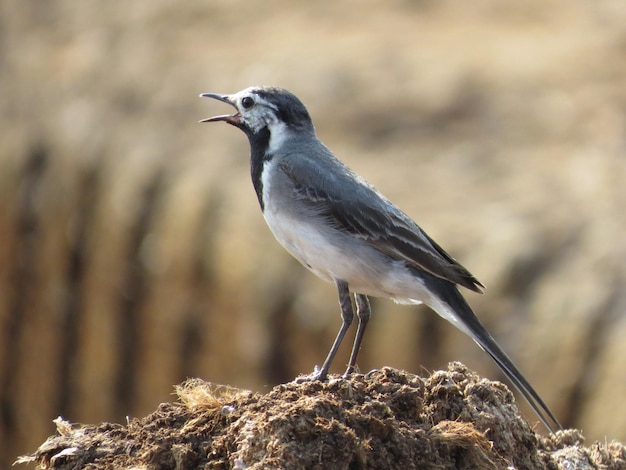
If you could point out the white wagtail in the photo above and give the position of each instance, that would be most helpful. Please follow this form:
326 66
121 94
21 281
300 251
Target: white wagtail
345 231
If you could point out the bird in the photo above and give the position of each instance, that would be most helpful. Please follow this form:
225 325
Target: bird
345 231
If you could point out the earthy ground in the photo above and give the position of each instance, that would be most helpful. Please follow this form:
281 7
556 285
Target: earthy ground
384 419
133 253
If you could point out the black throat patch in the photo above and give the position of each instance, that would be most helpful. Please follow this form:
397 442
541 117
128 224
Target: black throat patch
259 143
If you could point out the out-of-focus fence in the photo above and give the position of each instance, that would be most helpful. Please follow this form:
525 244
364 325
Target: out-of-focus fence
133 253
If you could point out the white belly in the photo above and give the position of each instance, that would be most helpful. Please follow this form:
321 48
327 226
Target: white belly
336 256
333 255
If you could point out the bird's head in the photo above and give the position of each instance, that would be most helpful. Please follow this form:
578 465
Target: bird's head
261 109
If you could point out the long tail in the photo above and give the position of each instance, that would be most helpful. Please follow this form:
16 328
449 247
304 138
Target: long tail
451 305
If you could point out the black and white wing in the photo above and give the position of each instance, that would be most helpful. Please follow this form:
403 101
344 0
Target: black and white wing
355 207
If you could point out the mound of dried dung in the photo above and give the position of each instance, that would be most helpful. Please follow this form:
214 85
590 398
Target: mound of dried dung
381 420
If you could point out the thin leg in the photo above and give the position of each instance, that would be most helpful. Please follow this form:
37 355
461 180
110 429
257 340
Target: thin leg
364 312
347 315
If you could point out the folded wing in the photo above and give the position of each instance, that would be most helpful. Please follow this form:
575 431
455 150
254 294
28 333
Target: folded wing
360 210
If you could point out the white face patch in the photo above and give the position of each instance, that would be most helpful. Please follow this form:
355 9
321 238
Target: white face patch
279 132
261 114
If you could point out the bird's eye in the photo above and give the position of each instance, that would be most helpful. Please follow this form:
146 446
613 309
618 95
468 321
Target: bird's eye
247 102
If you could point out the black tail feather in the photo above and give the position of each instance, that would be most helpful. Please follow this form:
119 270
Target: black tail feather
449 295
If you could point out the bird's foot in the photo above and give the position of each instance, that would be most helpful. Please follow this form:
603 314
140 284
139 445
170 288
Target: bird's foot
349 371
318 374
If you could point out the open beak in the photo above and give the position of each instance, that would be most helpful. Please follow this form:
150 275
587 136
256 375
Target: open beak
234 119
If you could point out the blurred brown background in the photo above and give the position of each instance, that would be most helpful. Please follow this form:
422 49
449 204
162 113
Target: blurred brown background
133 253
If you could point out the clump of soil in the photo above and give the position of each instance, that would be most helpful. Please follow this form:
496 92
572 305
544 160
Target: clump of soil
381 420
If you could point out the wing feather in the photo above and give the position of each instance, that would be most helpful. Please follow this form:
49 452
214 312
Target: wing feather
355 207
